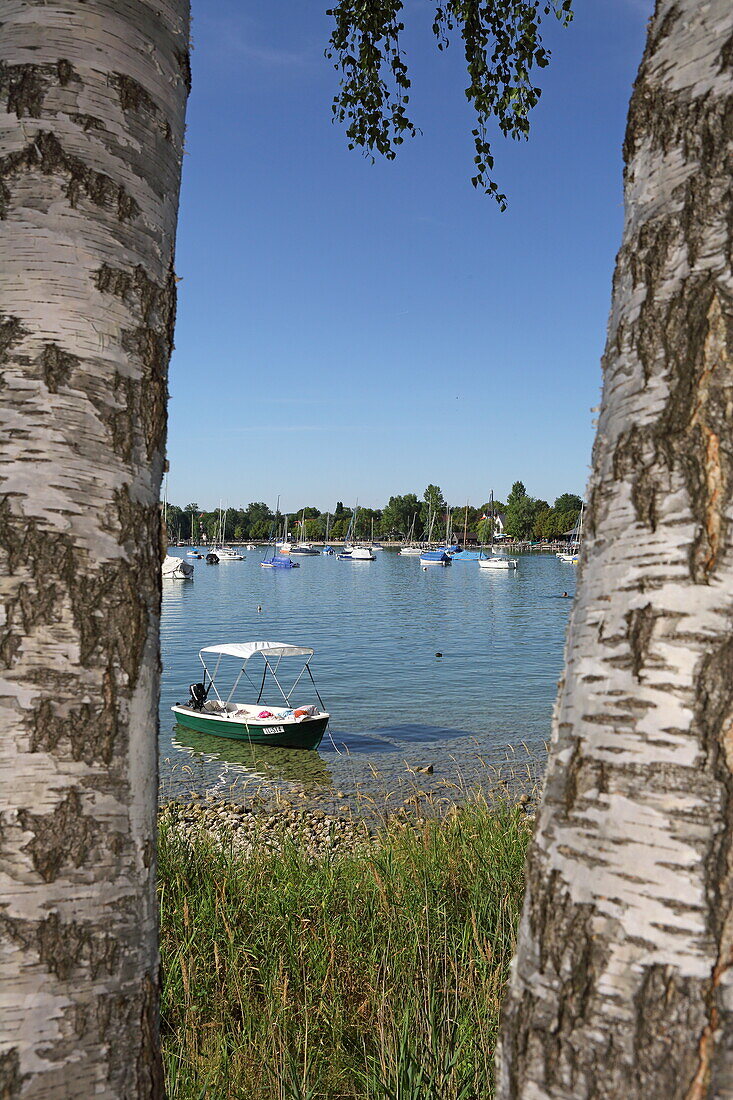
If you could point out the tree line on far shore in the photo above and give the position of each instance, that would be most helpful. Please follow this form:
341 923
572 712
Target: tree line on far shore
403 517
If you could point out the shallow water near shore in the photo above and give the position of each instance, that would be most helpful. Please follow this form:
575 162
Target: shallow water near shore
478 713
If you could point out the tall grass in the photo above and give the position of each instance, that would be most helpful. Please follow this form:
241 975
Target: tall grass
377 975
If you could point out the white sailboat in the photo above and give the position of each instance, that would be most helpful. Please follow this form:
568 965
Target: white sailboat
352 552
302 547
572 555
283 545
327 549
372 544
173 568
411 550
496 561
224 553
437 556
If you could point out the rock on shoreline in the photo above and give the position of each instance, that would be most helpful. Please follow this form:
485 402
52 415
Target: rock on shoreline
270 825
246 829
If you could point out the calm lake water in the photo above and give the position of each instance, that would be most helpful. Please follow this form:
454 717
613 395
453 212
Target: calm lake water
376 628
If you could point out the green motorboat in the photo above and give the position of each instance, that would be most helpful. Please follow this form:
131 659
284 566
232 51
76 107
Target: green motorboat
260 723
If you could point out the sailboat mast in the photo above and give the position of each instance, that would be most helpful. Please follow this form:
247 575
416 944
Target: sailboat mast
465 526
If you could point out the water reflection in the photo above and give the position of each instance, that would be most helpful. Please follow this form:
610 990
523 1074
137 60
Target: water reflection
218 763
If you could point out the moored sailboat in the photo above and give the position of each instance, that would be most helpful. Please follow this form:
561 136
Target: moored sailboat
495 561
351 551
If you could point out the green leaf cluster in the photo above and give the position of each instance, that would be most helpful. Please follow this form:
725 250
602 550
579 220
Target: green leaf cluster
502 45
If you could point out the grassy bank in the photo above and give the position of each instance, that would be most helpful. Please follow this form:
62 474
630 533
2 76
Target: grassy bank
375 974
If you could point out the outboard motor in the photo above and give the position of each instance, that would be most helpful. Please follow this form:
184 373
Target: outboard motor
197 693
212 559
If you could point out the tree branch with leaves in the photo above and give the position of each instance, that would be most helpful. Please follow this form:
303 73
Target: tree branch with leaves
502 46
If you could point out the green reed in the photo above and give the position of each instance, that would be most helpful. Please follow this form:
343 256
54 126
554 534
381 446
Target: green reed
377 974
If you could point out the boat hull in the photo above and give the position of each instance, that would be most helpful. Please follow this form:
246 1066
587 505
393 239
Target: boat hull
357 555
307 734
435 557
176 569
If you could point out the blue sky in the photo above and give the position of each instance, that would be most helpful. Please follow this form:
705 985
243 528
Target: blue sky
348 330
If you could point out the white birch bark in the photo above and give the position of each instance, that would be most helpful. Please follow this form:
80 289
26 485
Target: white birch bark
92 102
622 984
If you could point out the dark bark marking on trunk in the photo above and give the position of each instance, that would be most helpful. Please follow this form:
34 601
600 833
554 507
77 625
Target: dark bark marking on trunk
634 457
572 957
61 838
46 154
150 1077
56 366
151 343
137 290
640 628
714 716
152 350
183 57
84 732
120 417
666 1006
88 122
582 778
697 422
669 119
660 33
726 56
133 97
11 1079
11 333
25 86
693 431
110 611
63 946
134 1012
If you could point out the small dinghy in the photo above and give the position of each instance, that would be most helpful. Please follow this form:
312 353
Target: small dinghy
299 727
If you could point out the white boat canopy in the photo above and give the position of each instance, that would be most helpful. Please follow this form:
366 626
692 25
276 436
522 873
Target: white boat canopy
245 650
267 650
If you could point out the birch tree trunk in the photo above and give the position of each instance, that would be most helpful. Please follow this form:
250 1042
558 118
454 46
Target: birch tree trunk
92 101
622 985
